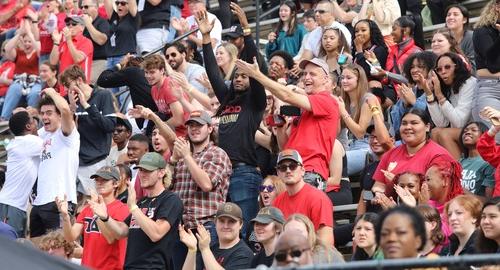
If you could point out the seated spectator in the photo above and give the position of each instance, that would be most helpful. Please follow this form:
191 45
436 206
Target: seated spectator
7 68
292 250
74 49
464 216
364 238
50 79
488 237
416 69
338 185
388 236
303 198
435 236
383 13
54 244
124 24
121 135
451 103
487 147
457 20
288 34
280 64
23 156
335 50
12 13
268 225
443 42
322 251
310 24
229 252
24 51
101 249
477 174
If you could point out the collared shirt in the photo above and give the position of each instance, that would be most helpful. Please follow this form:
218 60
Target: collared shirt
82 44
200 206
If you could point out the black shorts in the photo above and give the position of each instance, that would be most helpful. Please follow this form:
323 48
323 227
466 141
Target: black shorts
44 218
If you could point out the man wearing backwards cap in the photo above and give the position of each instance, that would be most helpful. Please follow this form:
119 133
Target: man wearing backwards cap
314 135
74 49
267 227
229 252
101 250
302 198
152 224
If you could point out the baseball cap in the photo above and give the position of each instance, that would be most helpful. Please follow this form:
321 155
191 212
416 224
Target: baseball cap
229 209
234 32
74 18
289 154
107 172
151 161
269 214
123 122
317 62
200 117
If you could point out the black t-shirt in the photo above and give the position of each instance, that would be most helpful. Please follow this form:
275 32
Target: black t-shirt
266 161
142 253
102 26
121 39
237 257
261 258
367 184
155 16
486 42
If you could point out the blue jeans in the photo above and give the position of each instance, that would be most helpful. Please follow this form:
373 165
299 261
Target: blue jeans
356 156
43 57
113 60
180 250
14 95
244 191
175 12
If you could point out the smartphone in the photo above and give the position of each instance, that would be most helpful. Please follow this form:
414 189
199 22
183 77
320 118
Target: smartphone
290 110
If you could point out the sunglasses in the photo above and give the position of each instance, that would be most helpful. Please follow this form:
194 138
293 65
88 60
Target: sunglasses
71 24
443 68
281 256
263 188
173 55
119 130
320 11
284 167
87 6
121 3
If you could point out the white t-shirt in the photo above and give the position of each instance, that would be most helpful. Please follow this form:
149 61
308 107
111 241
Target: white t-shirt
58 166
314 41
114 154
23 156
216 32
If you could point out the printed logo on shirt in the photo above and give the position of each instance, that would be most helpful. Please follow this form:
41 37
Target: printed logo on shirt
469 180
91 225
149 212
46 152
230 114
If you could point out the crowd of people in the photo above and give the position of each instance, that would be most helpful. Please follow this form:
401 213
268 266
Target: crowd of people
220 156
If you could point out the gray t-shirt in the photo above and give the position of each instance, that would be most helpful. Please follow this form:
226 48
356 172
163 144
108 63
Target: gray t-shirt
194 71
477 174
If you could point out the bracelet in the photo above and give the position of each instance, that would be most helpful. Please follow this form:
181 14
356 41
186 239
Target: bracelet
104 219
247 31
34 21
56 44
374 109
375 112
192 250
430 99
131 209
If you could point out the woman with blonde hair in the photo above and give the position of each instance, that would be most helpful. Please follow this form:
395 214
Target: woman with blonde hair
226 56
321 252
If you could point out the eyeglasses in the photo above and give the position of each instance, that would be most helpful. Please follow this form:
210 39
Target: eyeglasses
87 6
320 11
443 68
281 255
173 55
70 23
121 3
284 167
268 188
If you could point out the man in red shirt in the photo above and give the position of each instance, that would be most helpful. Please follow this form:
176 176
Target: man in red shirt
75 49
101 250
302 198
167 103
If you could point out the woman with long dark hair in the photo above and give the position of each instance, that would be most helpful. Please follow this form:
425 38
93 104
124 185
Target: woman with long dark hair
457 20
435 235
289 33
334 46
364 237
450 101
488 238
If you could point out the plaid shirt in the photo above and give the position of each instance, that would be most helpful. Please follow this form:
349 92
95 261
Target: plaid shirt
200 206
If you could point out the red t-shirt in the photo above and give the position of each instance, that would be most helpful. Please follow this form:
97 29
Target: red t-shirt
82 44
15 20
314 135
97 253
163 97
6 71
25 64
310 202
397 161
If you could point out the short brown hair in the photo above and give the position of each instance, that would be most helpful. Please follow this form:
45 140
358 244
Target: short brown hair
470 203
72 73
154 61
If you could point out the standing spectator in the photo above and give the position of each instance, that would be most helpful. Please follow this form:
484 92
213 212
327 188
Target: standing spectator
457 20
488 239
226 55
121 135
477 174
12 13
153 30
310 24
229 252
26 81
151 225
268 225
50 78
240 113
437 9
97 30
486 40
176 7
303 198
58 162
383 13
175 54
96 122
75 49
123 24
288 34
280 64
49 20
23 156
488 149
101 249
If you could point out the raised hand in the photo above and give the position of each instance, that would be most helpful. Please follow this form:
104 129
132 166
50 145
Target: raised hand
204 25
181 147
141 112
125 59
97 205
251 70
203 79
240 14
388 175
67 33
405 196
62 205
187 237
56 36
203 238
407 94
180 79
271 37
132 197
424 194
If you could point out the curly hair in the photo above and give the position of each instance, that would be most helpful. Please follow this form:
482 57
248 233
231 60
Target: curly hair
376 37
484 244
482 128
488 16
427 59
55 239
461 75
451 171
